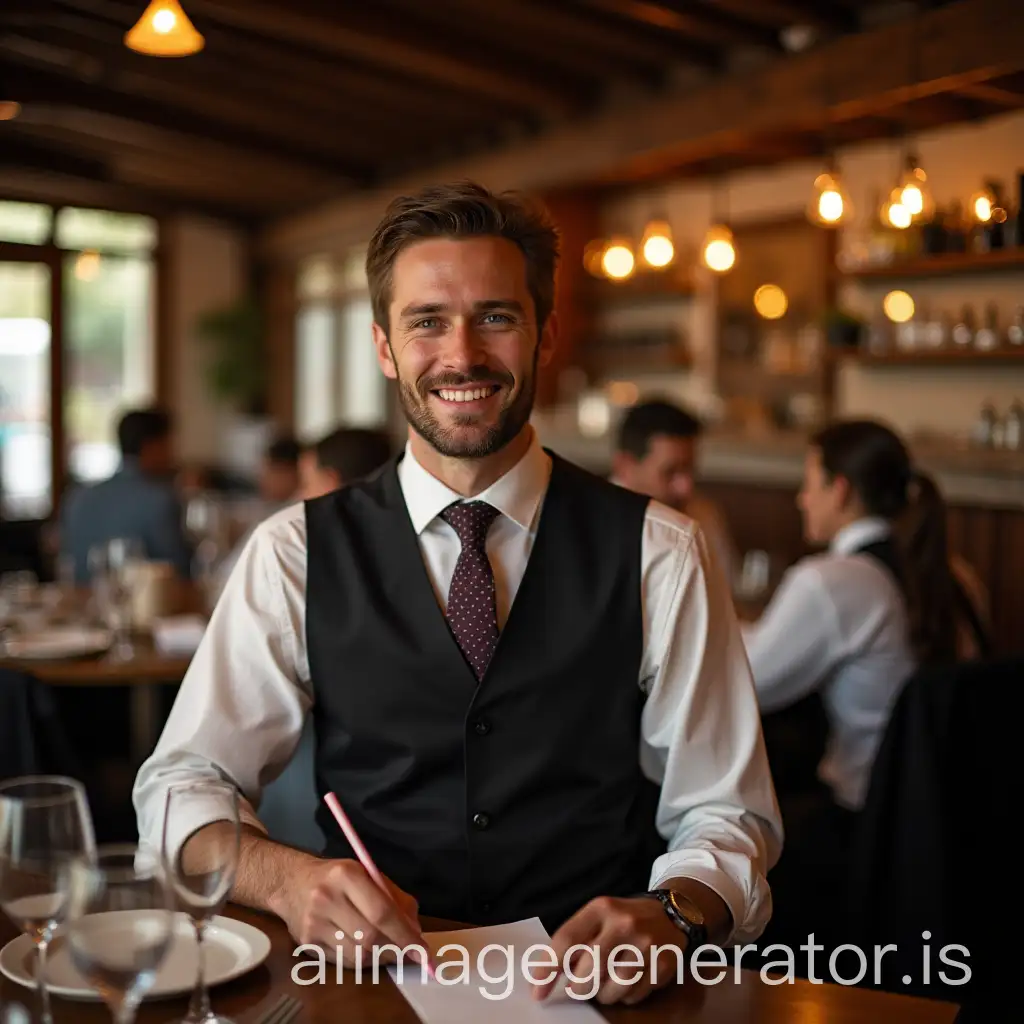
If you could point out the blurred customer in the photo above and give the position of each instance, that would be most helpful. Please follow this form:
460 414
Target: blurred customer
279 472
855 621
656 455
339 458
139 501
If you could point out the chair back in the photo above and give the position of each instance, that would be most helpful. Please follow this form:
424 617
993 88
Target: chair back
931 854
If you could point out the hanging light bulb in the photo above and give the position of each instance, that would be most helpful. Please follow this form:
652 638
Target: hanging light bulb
915 192
718 251
656 246
982 204
829 202
9 110
894 213
618 261
164 31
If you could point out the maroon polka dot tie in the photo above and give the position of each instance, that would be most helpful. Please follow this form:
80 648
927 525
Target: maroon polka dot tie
472 613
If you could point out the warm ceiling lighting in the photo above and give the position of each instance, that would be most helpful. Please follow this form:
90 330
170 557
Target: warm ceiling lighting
9 110
898 307
915 192
618 261
164 31
894 213
718 251
87 265
770 302
981 207
829 202
593 257
656 247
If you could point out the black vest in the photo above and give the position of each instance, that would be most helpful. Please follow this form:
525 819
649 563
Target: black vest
522 795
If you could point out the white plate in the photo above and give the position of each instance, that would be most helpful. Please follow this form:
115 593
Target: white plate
58 642
230 949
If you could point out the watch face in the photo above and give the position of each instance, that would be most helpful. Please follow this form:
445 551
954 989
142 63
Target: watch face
686 909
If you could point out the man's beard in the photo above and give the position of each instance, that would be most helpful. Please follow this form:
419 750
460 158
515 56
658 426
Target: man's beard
448 441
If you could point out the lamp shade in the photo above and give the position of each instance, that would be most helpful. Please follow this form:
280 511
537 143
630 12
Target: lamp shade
164 31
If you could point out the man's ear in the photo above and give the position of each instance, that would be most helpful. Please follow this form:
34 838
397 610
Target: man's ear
384 357
548 341
622 465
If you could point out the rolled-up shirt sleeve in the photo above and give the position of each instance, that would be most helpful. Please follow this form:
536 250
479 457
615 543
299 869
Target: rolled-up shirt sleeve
239 712
701 729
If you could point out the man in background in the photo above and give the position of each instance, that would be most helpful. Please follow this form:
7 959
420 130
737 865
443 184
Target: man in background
656 455
139 502
279 472
339 458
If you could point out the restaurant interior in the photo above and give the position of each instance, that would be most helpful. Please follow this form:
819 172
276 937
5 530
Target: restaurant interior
776 215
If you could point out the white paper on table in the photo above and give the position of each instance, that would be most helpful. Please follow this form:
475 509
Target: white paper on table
436 1002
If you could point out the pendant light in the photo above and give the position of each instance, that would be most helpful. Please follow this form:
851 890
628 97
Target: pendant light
718 250
657 247
164 31
915 192
617 260
829 205
9 110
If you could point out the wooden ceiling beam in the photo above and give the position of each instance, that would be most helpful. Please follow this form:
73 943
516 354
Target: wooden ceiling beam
32 85
959 44
688 21
997 95
279 62
21 152
819 13
408 48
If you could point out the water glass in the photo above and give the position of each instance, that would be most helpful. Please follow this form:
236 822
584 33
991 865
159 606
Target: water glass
111 567
120 924
203 881
45 822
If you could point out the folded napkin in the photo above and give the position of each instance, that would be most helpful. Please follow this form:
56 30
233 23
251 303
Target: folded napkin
178 634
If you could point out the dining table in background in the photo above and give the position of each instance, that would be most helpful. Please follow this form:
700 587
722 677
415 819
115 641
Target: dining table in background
749 1002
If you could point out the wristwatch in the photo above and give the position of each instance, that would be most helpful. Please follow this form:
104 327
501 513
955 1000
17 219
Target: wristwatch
684 914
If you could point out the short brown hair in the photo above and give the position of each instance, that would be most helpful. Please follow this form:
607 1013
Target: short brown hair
464 210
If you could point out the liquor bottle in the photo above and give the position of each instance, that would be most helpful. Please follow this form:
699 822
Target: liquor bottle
1013 426
1015 332
963 330
935 331
934 233
987 337
956 228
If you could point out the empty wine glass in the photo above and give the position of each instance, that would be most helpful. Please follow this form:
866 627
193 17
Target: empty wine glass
203 881
111 568
44 823
119 924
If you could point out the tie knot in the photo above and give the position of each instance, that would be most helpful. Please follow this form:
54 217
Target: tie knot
470 520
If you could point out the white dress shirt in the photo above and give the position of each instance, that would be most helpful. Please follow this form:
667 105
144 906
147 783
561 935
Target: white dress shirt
241 707
837 624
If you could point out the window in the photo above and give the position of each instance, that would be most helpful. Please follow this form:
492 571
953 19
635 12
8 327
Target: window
98 267
338 381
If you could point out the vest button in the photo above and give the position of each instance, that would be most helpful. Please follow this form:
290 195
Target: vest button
486 907
481 727
481 820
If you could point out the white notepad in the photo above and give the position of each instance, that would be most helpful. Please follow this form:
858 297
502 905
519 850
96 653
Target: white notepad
436 1002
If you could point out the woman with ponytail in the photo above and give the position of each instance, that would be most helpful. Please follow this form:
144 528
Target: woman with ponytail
854 622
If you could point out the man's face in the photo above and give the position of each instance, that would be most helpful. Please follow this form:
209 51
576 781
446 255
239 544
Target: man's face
462 343
666 471
315 480
821 501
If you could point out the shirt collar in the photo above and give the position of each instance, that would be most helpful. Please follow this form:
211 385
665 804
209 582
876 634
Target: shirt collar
517 495
859 533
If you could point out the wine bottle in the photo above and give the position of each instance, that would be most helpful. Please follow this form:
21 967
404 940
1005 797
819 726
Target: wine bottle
987 337
963 330
1015 332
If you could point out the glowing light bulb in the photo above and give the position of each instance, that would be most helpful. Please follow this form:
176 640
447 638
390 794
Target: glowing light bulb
899 216
983 208
656 247
164 20
770 302
830 206
618 261
898 307
718 251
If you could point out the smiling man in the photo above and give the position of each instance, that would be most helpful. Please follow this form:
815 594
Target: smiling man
528 685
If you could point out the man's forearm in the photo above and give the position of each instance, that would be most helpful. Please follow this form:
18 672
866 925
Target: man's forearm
264 867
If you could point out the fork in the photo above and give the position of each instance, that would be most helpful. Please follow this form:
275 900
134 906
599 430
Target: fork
284 1011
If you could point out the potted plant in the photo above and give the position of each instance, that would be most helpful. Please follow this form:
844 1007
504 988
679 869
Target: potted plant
237 377
842 328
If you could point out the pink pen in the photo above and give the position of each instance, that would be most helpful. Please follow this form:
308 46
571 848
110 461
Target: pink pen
363 854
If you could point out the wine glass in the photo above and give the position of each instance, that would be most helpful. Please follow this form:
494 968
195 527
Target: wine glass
44 822
120 924
111 566
203 880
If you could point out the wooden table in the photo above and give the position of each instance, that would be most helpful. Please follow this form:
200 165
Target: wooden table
749 1002
143 674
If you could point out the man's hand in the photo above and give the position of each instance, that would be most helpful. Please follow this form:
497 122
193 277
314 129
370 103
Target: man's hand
325 897
605 923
